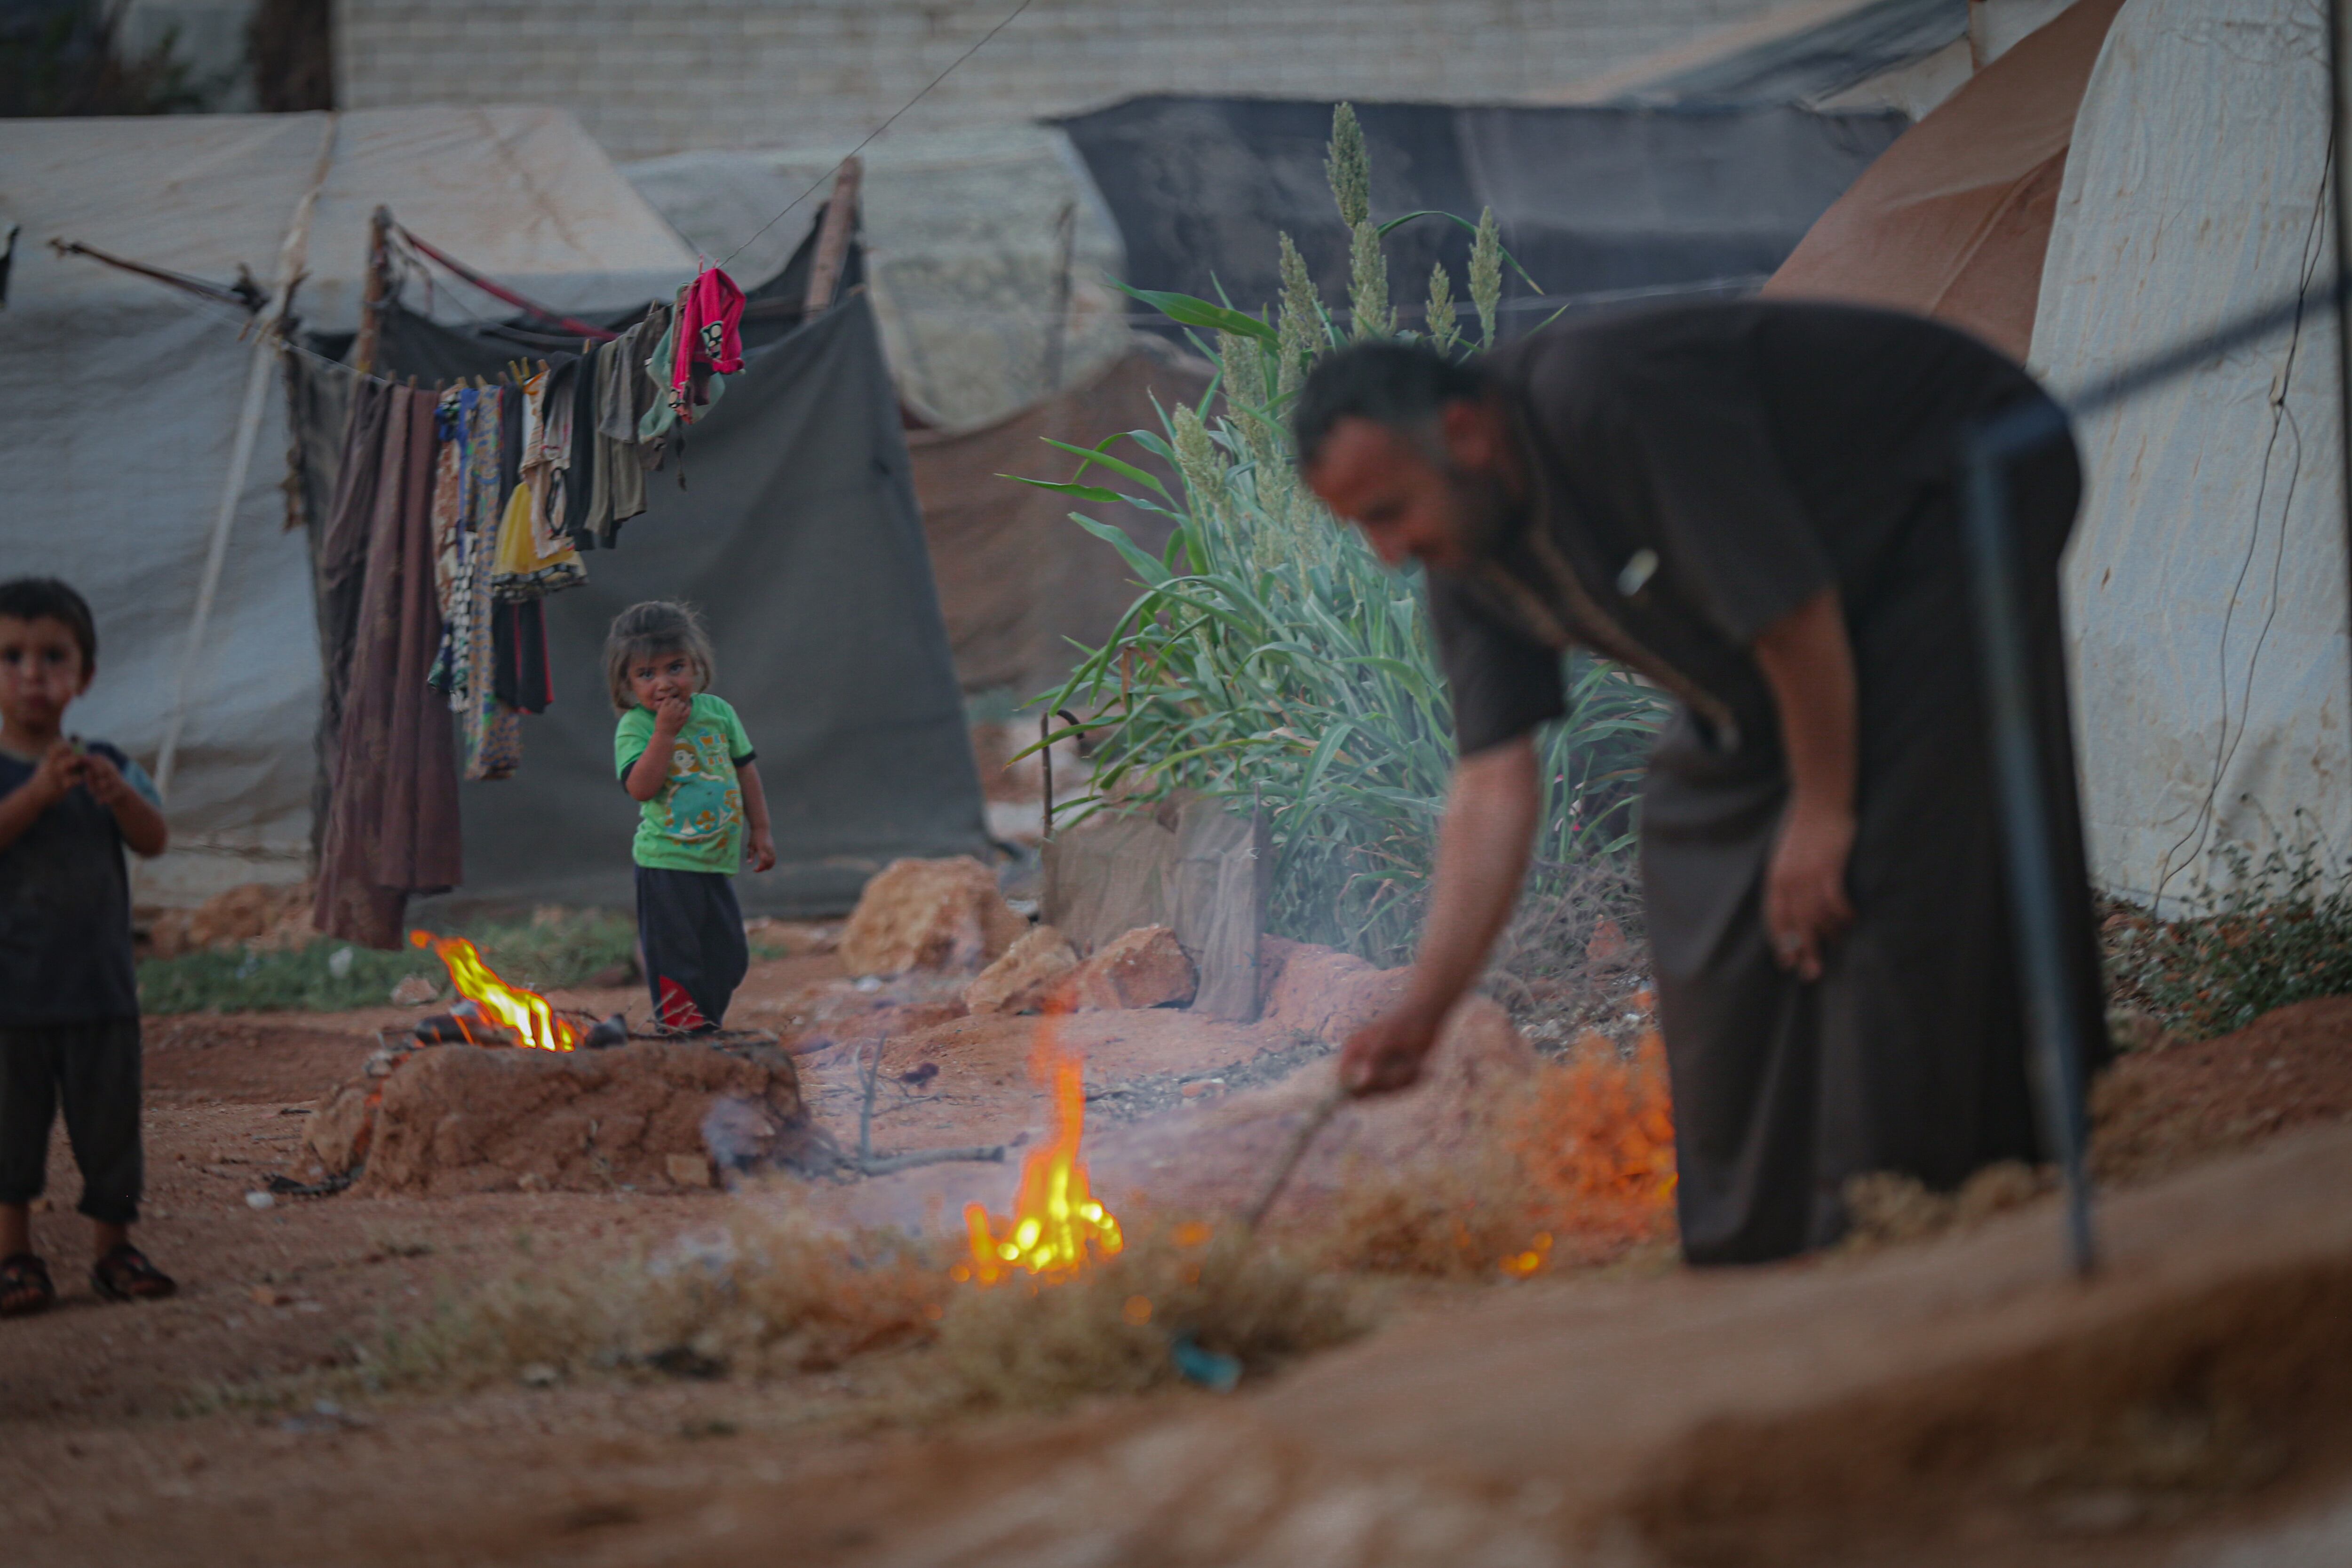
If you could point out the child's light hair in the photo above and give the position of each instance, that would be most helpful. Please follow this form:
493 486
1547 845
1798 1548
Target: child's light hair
641 631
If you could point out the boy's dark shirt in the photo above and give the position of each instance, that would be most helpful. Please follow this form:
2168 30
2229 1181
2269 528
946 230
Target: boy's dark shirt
65 907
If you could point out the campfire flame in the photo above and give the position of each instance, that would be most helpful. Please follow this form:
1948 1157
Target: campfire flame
1057 1224
526 1013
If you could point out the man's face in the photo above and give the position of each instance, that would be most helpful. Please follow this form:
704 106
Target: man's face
41 672
1440 499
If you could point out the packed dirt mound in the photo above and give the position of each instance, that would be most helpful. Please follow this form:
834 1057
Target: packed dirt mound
1959 1402
2159 1111
461 1119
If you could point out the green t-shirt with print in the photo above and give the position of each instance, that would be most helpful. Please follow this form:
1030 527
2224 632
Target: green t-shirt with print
696 822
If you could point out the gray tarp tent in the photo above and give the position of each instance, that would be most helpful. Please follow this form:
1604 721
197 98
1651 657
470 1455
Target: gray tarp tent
797 535
1589 199
124 402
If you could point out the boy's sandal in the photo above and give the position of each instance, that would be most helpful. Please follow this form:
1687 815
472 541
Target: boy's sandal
125 1275
25 1286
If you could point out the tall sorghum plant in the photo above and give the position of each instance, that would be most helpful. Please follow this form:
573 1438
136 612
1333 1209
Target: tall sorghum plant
1273 660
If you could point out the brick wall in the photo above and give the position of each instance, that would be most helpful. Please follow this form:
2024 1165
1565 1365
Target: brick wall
648 76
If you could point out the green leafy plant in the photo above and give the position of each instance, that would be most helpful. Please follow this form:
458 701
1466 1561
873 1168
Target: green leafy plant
1272 659
2276 930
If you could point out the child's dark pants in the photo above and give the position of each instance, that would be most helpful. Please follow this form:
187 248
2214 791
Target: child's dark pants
92 1068
690 931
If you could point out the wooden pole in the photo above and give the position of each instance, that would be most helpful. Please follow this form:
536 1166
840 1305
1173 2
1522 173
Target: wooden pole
2339 104
375 285
1057 333
833 239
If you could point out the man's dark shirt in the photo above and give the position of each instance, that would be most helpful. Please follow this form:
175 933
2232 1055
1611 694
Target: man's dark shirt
1698 473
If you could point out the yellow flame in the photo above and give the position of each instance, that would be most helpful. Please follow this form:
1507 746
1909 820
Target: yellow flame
526 1013
1057 1224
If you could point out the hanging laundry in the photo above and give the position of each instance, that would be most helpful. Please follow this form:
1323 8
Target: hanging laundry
709 332
520 570
392 825
521 680
622 396
490 735
453 417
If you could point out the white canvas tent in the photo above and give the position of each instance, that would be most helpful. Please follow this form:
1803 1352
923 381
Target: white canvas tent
124 402
2205 584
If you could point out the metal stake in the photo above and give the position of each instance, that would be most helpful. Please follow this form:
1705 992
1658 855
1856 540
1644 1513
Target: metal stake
2026 836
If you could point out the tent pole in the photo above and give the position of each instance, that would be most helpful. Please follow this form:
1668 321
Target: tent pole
833 239
375 285
291 255
2338 114
2028 835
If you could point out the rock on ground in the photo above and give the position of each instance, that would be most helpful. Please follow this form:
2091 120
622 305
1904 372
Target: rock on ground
929 914
1318 991
1022 979
1143 968
459 1119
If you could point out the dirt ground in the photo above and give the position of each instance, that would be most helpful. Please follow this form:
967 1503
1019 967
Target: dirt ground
1703 1411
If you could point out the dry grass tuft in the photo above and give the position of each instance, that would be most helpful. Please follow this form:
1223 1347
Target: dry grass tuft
1111 1329
1884 1209
765 1295
1573 1166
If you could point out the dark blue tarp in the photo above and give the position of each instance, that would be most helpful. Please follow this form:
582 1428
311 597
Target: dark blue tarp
1609 201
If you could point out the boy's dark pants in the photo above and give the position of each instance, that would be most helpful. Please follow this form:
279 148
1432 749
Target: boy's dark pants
93 1068
690 931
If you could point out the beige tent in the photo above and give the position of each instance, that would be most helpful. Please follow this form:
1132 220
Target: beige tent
1952 220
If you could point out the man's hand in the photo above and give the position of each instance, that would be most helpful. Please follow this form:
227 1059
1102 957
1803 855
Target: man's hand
1805 903
1386 1054
670 716
1482 857
1809 663
761 845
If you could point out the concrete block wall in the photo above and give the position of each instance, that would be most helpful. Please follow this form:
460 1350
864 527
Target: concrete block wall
648 76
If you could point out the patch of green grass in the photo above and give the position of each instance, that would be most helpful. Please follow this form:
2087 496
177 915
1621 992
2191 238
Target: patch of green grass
2280 931
546 953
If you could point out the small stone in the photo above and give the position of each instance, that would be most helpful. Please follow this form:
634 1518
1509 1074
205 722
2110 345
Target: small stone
1143 968
928 914
539 1375
688 1170
1608 949
1200 1089
259 1201
269 1295
1022 979
414 990
531 1182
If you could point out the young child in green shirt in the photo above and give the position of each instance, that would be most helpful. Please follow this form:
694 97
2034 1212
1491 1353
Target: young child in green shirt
683 754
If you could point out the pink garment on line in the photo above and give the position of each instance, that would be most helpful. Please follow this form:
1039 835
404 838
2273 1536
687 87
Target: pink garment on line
707 330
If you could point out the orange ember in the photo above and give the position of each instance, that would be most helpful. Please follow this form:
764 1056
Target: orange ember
1056 1224
1596 1142
526 1013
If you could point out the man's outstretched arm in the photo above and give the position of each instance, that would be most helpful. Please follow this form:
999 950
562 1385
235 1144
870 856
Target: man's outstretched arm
1482 858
